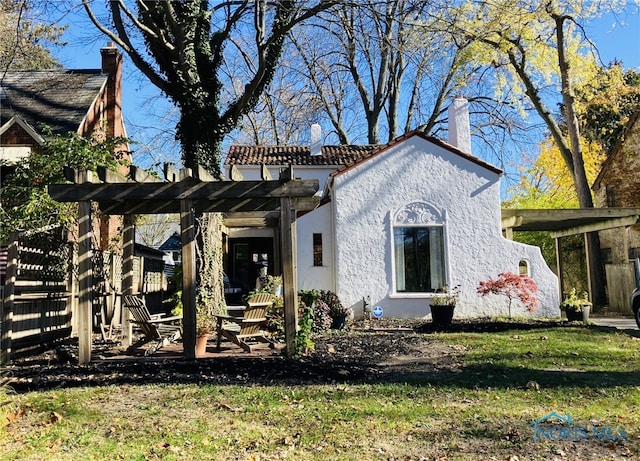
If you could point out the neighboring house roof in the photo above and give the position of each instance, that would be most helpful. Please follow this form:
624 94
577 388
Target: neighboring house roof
147 251
57 98
615 150
173 243
26 127
296 155
344 157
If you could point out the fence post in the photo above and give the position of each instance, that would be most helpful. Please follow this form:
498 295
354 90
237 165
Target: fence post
9 296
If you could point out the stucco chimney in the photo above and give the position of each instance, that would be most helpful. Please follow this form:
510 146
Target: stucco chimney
459 128
112 66
316 139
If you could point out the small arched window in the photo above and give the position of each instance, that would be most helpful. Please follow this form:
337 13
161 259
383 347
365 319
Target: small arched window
523 268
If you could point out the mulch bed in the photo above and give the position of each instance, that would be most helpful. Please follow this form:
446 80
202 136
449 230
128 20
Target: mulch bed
384 350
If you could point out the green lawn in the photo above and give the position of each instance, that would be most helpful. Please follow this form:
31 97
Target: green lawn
482 409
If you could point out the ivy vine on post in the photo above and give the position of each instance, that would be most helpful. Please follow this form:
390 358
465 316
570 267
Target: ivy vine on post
210 298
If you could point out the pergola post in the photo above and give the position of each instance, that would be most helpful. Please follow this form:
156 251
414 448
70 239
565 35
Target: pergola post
187 237
288 247
559 265
128 255
85 277
589 263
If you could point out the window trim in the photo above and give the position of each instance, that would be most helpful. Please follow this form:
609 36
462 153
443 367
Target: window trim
418 214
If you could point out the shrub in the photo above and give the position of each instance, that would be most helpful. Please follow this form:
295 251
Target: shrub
575 302
336 309
321 318
308 296
275 320
447 298
512 286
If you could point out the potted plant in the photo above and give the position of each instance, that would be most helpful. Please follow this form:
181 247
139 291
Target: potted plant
577 307
442 306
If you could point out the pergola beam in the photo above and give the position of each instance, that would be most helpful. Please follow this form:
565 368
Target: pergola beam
597 226
191 189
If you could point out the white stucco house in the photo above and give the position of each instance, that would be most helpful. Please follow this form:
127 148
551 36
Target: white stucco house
396 223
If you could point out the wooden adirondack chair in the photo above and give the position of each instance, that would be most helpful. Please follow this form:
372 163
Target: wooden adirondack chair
248 327
156 327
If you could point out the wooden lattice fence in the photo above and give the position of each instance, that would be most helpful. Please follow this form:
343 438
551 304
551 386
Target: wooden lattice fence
36 306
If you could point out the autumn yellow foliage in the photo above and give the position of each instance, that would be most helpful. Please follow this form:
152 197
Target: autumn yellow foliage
547 182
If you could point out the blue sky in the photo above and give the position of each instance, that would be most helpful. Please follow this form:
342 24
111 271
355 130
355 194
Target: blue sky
616 37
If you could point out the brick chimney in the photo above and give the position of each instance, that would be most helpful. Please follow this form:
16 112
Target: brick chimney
459 127
112 114
112 66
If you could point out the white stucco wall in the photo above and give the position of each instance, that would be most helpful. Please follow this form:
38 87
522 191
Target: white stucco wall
310 276
467 196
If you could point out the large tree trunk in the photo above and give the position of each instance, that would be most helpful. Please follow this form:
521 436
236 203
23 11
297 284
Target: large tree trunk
199 145
209 264
592 242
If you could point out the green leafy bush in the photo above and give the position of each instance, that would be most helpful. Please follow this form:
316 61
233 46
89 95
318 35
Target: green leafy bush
574 302
304 343
321 318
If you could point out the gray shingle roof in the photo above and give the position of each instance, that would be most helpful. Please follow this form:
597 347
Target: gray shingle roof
58 98
296 155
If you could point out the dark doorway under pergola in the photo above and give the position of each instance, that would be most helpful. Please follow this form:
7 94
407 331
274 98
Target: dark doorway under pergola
265 203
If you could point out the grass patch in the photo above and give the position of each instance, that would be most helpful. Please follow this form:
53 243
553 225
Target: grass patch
482 408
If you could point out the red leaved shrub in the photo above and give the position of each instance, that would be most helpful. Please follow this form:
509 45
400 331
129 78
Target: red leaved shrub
513 286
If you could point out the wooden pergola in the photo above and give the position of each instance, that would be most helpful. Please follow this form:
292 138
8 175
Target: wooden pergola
565 222
264 203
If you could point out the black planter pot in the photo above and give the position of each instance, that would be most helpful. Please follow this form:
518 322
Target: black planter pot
579 316
442 315
338 323
573 315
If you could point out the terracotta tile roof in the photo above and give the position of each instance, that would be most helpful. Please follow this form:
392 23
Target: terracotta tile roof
297 155
345 157
58 98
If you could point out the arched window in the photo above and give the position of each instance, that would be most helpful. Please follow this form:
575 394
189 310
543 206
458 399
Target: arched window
523 268
418 246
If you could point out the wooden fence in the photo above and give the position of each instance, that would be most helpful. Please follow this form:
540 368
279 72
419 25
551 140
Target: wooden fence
38 290
621 282
36 306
